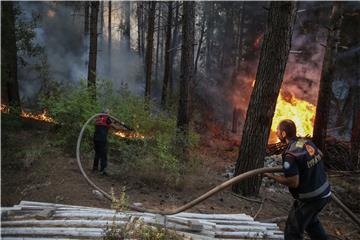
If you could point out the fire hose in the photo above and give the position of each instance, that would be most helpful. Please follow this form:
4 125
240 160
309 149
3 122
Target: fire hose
203 197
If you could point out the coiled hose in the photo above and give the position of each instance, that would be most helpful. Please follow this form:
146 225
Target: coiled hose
203 197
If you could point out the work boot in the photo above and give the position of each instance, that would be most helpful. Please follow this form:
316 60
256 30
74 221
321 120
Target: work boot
104 173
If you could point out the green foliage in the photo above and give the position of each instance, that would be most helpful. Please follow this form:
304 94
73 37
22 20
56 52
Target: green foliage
154 156
139 230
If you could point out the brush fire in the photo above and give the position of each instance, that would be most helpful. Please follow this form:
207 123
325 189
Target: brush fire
45 118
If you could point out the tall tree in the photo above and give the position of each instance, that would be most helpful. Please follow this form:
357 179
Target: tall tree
93 46
149 48
209 9
109 38
9 78
158 34
167 70
86 17
187 68
327 75
236 71
101 22
274 54
139 26
174 47
127 23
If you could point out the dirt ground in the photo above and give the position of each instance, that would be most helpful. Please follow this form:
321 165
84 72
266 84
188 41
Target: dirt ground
53 176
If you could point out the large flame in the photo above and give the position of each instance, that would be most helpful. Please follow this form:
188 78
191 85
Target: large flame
300 111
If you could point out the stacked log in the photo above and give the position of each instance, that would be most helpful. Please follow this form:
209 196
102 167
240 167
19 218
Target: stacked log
34 220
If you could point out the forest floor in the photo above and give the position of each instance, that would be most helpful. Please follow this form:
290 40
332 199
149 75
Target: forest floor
35 170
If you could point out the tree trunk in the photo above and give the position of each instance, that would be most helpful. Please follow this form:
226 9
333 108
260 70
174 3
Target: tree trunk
187 68
209 8
167 70
109 39
93 47
274 54
127 23
9 81
149 48
327 75
86 16
202 31
173 48
236 112
139 25
102 24
157 44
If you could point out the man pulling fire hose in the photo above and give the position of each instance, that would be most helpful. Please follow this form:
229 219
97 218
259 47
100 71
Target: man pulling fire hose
304 175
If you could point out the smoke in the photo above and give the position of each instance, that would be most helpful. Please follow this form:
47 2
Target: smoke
61 32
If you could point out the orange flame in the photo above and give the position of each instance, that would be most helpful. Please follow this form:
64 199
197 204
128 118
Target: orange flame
300 111
125 134
40 117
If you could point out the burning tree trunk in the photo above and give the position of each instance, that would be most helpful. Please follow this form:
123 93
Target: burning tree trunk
127 23
327 74
167 70
9 81
86 16
273 58
109 38
93 47
149 48
187 70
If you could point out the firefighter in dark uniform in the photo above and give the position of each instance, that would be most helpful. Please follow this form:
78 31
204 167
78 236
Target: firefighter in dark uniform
305 176
102 125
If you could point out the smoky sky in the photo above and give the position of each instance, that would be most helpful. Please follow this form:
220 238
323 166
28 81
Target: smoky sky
60 31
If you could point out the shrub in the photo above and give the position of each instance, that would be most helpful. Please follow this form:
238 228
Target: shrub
154 155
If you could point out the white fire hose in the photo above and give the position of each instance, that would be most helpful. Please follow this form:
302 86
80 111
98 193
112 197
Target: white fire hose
203 197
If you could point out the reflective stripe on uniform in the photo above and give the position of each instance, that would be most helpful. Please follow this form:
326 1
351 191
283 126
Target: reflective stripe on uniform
314 193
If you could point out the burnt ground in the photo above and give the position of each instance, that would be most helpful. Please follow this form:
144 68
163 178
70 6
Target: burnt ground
33 168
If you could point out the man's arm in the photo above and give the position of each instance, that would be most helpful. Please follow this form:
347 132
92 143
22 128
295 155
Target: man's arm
291 182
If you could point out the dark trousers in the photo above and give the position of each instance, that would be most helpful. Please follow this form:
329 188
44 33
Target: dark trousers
303 216
100 154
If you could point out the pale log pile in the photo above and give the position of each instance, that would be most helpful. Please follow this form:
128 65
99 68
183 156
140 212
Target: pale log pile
37 220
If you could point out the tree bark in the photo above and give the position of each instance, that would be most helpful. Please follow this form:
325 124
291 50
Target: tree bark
202 31
9 80
139 25
158 32
149 48
127 23
209 8
187 67
167 70
86 16
274 54
93 47
173 48
102 24
327 75
109 39
236 112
